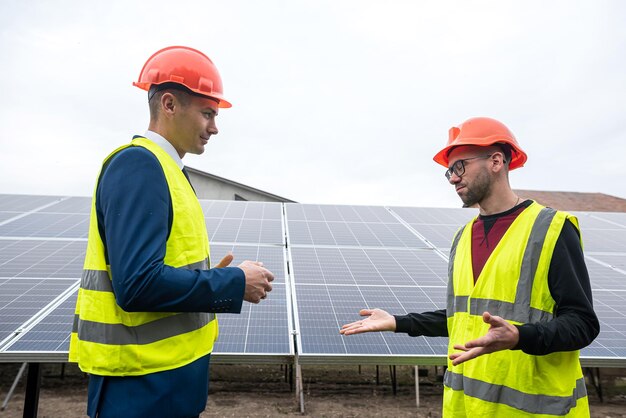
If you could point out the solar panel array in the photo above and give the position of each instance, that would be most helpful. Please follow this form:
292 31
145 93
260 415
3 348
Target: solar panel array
329 261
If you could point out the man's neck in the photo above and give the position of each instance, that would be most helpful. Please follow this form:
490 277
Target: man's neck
498 202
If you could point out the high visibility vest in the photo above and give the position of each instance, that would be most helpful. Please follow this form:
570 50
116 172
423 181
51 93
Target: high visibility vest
514 285
106 340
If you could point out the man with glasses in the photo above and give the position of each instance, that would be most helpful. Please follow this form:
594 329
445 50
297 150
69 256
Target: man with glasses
519 305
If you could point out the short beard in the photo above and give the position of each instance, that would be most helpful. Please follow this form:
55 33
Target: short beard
478 191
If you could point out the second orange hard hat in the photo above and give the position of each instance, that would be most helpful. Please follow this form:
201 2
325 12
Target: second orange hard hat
186 66
482 132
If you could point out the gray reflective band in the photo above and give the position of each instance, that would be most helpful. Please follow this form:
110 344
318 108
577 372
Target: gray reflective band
507 310
531 257
99 279
520 310
451 305
459 305
531 403
160 329
96 280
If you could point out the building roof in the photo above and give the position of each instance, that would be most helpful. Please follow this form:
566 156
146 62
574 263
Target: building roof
234 183
594 202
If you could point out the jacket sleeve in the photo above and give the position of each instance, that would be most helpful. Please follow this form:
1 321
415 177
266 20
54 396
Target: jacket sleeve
429 324
575 324
134 218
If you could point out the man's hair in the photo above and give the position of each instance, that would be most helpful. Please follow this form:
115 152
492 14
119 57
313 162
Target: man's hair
155 93
506 150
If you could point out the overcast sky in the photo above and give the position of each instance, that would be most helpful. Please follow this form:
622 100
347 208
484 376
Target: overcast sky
341 102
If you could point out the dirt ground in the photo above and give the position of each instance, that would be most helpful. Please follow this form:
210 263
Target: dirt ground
265 391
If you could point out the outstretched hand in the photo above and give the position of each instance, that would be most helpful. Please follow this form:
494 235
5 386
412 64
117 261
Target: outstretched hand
377 320
501 336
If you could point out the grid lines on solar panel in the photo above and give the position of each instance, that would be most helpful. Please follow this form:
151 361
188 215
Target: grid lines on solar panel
322 309
243 222
41 258
368 266
602 232
609 306
24 203
613 260
436 225
77 205
347 226
52 333
20 299
48 225
603 277
262 328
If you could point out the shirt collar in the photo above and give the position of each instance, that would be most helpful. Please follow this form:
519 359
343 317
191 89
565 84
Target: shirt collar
167 147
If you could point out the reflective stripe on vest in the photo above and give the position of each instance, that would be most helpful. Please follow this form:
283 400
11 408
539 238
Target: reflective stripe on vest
532 403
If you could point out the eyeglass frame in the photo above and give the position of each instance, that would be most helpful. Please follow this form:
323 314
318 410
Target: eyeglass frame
461 171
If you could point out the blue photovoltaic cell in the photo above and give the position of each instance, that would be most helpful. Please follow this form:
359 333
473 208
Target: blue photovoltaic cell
24 203
4 216
609 306
52 334
20 299
244 222
603 277
615 260
323 309
435 216
338 213
48 225
365 226
41 258
79 205
437 226
604 240
615 218
367 266
260 328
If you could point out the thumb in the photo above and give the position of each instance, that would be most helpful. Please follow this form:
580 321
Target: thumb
366 312
228 258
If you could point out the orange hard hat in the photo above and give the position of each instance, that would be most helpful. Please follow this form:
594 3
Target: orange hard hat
482 132
186 66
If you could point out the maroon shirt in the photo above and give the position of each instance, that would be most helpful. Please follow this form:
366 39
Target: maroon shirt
487 232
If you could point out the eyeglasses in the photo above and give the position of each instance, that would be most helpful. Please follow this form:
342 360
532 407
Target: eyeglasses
458 167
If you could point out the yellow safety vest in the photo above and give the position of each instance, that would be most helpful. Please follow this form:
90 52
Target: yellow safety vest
106 340
514 285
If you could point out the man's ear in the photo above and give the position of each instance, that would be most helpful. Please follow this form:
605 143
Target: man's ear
168 103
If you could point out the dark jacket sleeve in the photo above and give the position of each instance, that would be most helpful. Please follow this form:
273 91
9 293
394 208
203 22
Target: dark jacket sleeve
575 324
134 210
429 324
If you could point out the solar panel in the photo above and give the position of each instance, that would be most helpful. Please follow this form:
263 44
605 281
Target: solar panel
339 258
437 226
52 333
244 222
611 343
263 328
20 299
25 203
41 258
70 205
47 225
331 225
